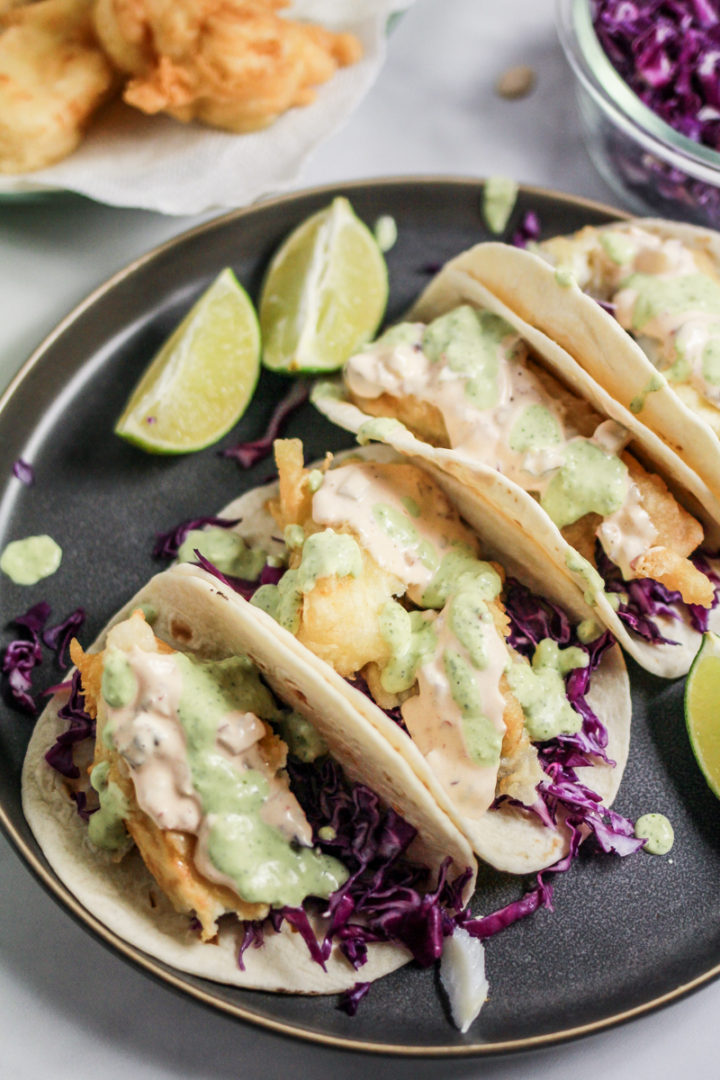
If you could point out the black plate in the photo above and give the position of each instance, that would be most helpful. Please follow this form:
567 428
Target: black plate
626 935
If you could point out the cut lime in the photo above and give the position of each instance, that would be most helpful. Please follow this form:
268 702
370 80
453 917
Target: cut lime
702 709
201 381
325 293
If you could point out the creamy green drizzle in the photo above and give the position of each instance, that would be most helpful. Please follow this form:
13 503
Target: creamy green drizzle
657 832
589 481
119 686
302 737
654 383
619 249
674 295
469 342
535 428
540 689
402 532
30 560
385 232
460 562
499 197
225 550
264 866
323 554
483 740
412 640
379 429
106 826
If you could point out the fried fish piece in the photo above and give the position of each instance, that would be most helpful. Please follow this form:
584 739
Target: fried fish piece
231 64
169 854
53 78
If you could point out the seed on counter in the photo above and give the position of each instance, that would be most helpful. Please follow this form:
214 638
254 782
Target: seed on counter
516 82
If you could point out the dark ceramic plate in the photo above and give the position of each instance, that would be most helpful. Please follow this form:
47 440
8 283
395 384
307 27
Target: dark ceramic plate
626 935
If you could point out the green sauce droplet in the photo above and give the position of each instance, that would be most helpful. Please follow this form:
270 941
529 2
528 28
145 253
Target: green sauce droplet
657 832
30 560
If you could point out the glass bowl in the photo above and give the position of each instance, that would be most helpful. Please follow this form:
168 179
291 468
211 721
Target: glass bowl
653 168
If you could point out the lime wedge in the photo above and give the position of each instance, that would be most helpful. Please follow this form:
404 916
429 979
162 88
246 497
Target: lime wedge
702 709
325 293
201 381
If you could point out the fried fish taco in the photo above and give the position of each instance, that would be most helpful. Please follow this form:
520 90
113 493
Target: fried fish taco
238 818
450 640
652 341
475 390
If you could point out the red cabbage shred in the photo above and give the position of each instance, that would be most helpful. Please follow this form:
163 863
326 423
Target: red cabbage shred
668 53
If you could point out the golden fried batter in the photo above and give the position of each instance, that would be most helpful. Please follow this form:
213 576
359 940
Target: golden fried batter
231 64
53 78
168 854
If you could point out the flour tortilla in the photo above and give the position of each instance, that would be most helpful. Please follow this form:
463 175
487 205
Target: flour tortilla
196 614
602 347
513 512
508 838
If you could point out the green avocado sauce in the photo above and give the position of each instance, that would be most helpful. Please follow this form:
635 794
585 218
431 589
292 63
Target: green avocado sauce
471 621
324 553
540 689
711 358
398 526
499 198
303 739
564 277
469 341
654 383
225 550
106 827
460 561
482 739
618 248
30 560
119 686
412 639
379 429
264 866
535 428
657 832
589 481
671 296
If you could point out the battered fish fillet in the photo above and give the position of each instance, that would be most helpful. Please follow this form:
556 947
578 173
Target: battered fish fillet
167 853
53 77
230 64
335 604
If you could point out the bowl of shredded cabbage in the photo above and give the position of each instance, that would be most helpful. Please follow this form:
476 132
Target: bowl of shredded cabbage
648 91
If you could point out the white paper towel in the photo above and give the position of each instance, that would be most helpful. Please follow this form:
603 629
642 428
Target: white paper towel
157 163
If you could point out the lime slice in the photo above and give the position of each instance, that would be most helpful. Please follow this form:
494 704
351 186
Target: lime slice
202 379
325 293
702 709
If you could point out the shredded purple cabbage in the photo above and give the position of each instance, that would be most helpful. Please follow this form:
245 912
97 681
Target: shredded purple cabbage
533 618
351 999
528 230
168 544
80 726
23 655
248 454
58 637
647 598
384 898
668 53
269 575
24 472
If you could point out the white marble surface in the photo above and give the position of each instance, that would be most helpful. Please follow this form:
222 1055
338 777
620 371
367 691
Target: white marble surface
70 1009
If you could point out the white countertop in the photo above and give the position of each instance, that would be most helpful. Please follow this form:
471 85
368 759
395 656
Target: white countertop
69 1008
